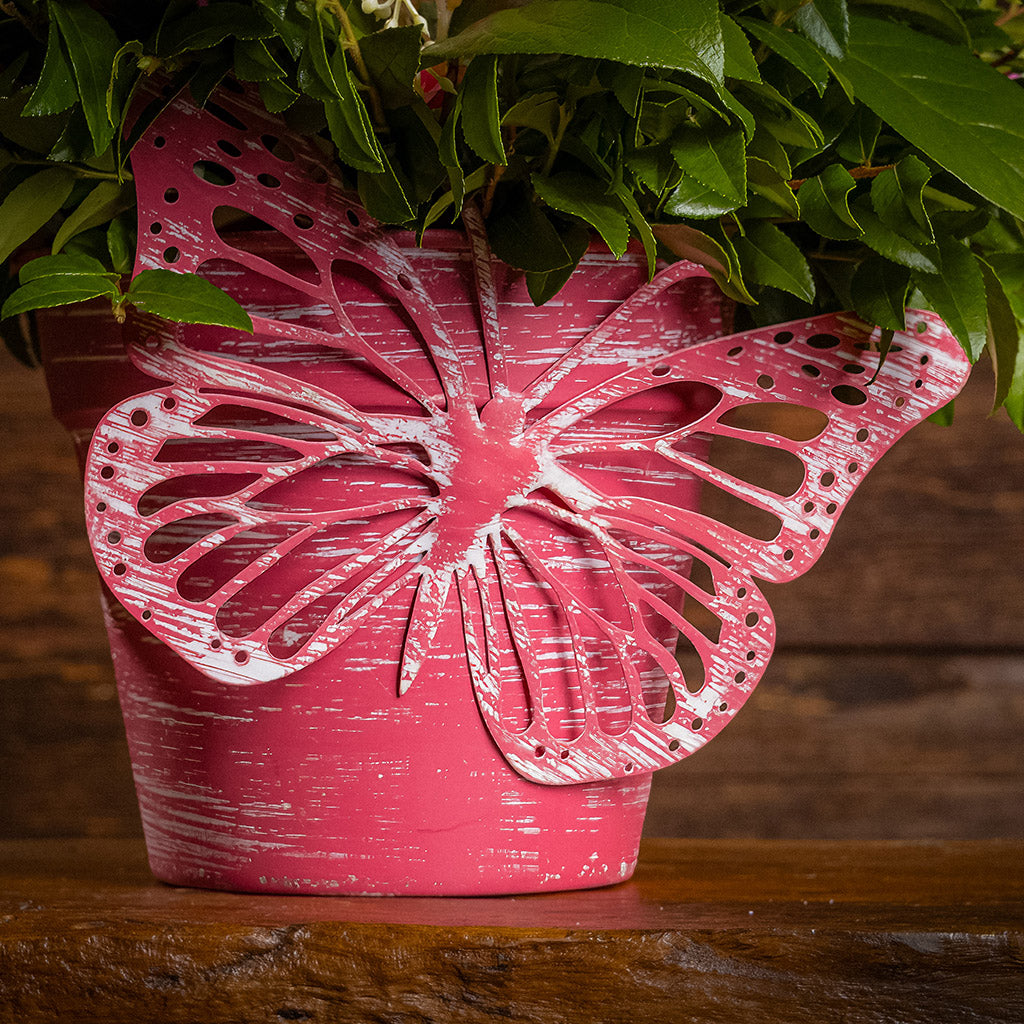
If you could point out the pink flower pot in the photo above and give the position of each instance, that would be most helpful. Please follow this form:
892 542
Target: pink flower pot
328 780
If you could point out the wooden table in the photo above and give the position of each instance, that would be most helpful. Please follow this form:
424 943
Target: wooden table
709 931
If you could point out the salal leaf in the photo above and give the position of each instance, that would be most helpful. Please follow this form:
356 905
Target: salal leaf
121 243
739 59
825 205
583 196
538 111
392 58
385 197
887 243
957 293
523 237
254 62
643 228
795 49
1005 338
765 181
692 199
688 243
684 35
30 204
105 201
962 113
481 120
879 292
777 114
55 91
186 299
92 47
935 16
769 257
715 156
59 281
826 23
209 25
544 286
897 198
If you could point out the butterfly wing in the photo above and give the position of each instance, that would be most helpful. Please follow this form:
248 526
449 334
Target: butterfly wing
805 395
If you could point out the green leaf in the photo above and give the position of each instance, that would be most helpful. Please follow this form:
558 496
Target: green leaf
384 196
62 265
739 59
879 292
643 229
29 205
55 91
349 123
690 244
897 198
544 286
1004 334
105 201
121 243
890 245
481 121
92 47
538 111
716 157
767 182
210 25
824 203
769 257
523 236
583 197
684 35
946 102
803 55
957 294
934 16
692 199
826 23
187 299
392 58
59 281
253 62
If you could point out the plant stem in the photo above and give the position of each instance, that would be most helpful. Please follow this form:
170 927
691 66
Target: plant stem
79 171
351 46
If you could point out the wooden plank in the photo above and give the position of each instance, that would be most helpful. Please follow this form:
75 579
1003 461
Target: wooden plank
764 931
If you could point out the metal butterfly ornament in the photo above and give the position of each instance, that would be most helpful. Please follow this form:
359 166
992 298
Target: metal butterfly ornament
260 509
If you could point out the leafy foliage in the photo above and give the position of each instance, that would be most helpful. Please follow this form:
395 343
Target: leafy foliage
812 155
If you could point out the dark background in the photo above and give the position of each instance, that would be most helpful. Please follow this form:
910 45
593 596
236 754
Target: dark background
894 706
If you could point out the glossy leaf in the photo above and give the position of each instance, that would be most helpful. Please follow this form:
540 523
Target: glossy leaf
104 202
824 203
481 120
92 46
770 257
798 51
715 156
1005 335
897 196
684 35
949 104
186 298
957 293
55 91
59 281
826 23
581 196
879 292
887 243
29 205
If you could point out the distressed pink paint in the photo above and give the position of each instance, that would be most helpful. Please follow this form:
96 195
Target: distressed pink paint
411 487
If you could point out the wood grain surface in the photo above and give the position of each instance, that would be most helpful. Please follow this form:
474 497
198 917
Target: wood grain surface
706 931
894 706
